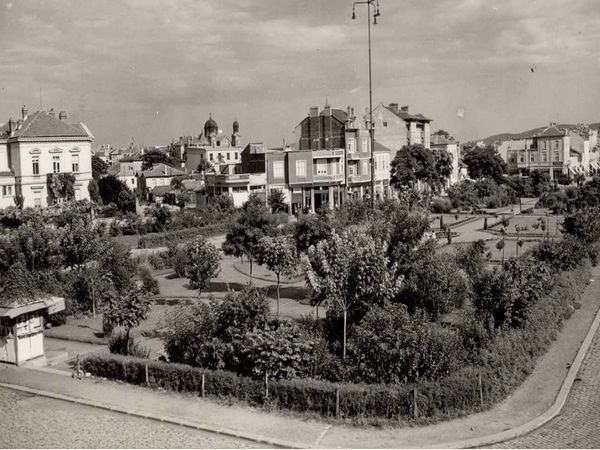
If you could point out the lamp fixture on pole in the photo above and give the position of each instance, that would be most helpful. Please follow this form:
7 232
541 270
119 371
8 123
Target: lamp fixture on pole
376 13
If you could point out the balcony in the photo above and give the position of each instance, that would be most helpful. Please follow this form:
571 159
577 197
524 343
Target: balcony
328 178
358 178
334 153
241 178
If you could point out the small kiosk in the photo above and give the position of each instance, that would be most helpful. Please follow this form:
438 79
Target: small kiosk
22 328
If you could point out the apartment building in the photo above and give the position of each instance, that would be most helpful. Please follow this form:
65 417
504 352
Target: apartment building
441 140
36 146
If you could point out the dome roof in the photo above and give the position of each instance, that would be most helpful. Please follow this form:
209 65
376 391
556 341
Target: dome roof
210 126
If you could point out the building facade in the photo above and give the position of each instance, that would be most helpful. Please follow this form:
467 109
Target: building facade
441 140
39 145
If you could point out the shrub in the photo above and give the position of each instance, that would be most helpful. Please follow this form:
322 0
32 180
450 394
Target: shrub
149 283
563 254
178 236
441 205
119 343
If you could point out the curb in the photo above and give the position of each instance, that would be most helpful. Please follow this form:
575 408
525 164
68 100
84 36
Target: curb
165 419
543 418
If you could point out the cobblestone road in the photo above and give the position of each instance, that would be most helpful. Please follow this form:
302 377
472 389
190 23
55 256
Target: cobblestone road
37 422
579 424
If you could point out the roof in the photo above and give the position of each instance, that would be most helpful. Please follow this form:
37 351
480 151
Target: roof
381 148
551 132
339 114
4 131
161 190
15 309
162 170
405 115
438 139
42 124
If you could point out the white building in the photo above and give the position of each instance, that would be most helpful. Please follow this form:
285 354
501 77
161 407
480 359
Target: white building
159 175
38 145
127 170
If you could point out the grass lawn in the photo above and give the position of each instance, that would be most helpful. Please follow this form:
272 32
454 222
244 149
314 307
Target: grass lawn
529 222
510 248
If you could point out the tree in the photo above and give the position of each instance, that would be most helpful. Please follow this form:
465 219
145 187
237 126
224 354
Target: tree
583 224
412 163
310 229
463 194
99 167
204 166
243 236
110 189
280 257
93 190
19 200
442 161
177 183
81 242
202 263
484 162
161 216
154 156
350 271
61 186
276 201
128 310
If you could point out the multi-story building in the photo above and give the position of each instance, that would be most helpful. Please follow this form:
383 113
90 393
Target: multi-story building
36 146
441 140
556 149
212 146
395 127
127 170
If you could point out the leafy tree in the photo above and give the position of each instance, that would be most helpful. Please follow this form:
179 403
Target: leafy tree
279 352
254 223
162 217
177 183
223 203
435 285
391 346
204 166
94 191
412 163
99 167
61 186
562 254
280 257
128 310
17 284
472 258
442 161
484 162
310 229
463 194
153 157
583 224
126 201
81 242
350 272
113 190
276 201
202 263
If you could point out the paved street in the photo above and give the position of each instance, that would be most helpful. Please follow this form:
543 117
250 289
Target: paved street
37 422
579 424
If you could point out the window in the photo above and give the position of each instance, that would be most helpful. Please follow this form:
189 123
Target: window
555 144
543 145
228 156
36 165
544 157
219 156
351 145
133 181
322 167
7 191
240 189
301 168
385 124
365 149
201 155
218 143
278 169
351 169
37 201
76 163
211 156
532 157
236 155
522 158
556 156
56 164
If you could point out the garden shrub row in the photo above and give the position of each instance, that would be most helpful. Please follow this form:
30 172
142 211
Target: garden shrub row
179 236
501 367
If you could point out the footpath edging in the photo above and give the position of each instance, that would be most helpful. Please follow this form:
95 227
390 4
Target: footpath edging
166 419
543 418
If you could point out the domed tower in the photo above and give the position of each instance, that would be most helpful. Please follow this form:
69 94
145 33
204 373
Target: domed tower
210 127
235 137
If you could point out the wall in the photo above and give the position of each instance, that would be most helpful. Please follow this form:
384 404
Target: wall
394 135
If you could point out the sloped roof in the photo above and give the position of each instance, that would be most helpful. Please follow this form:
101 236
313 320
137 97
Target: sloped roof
42 124
162 170
405 115
551 132
339 114
161 190
381 148
4 131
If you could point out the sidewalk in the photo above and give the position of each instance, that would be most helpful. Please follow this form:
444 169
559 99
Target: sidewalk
533 398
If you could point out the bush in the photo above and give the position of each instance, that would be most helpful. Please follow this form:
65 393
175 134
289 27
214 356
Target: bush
563 254
179 236
149 283
441 205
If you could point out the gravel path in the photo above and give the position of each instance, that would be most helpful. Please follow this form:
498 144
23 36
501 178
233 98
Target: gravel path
37 422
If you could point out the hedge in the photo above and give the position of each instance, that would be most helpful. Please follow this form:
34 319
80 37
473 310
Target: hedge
178 236
501 367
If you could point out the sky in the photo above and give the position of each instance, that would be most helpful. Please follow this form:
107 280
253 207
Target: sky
153 70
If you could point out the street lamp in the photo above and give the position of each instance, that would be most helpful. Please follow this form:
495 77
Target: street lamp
376 14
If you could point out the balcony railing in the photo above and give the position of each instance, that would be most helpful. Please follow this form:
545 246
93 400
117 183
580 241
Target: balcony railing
339 152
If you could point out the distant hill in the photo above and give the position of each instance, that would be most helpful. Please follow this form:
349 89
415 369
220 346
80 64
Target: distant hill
504 136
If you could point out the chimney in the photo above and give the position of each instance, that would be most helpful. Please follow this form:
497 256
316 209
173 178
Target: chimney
62 115
352 112
404 108
313 111
394 107
327 110
51 112
12 126
24 112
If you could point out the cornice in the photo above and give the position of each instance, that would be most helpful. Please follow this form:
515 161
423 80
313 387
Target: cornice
50 139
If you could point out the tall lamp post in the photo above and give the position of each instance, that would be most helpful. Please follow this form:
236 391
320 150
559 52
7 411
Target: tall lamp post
376 14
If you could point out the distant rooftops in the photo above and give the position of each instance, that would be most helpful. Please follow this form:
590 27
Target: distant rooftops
403 113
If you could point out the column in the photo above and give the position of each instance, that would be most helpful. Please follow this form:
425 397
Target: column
330 199
16 342
312 198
